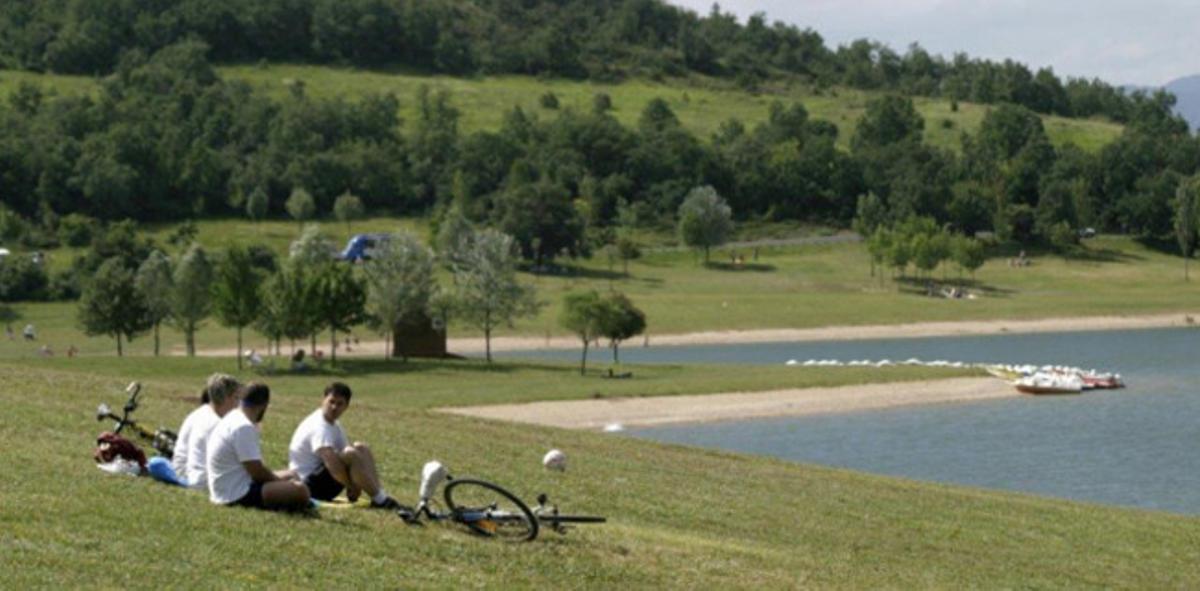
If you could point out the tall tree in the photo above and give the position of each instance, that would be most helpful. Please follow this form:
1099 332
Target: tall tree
1186 218
705 220
154 282
110 305
340 300
191 294
235 292
486 287
399 281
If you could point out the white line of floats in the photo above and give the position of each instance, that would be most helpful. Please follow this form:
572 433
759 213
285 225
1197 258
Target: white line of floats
1028 378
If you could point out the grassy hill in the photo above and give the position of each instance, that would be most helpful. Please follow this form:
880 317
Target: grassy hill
679 517
701 104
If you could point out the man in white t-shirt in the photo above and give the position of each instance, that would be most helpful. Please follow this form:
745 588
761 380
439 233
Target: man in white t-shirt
236 474
187 464
323 458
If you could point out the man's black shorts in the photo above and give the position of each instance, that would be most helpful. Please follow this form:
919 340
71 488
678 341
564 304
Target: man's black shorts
322 486
253 498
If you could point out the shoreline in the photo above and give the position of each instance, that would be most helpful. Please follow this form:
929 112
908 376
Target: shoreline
596 414
475 345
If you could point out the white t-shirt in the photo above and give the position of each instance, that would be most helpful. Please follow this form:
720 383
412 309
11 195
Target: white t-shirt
197 459
182 442
234 440
314 433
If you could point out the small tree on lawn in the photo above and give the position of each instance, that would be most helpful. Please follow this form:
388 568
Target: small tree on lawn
399 281
235 292
257 204
878 245
312 248
110 304
583 314
621 320
272 310
705 220
8 315
292 294
969 254
340 301
1186 218
191 294
154 283
348 208
627 250
486 287
300 205
870 215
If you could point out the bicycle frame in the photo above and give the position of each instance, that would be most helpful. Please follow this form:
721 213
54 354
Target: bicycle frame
162 440
486 520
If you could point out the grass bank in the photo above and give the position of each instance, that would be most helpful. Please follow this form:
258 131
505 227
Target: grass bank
679 517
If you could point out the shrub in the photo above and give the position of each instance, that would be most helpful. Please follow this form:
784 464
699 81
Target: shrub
76 229
21 279
549 101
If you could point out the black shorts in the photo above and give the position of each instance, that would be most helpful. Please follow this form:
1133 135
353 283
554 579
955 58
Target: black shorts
322 486
253 498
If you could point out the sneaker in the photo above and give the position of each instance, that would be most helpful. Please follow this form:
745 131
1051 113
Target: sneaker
388 503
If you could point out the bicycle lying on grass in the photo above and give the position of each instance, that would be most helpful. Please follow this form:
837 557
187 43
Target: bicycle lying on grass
162 440
487 509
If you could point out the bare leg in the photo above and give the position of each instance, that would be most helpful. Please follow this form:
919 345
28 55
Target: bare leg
361 464
285 494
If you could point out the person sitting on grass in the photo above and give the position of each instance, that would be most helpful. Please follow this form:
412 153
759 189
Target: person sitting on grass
236 474
323 458
188 465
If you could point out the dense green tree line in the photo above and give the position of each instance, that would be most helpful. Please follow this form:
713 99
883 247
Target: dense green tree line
167 139
599 39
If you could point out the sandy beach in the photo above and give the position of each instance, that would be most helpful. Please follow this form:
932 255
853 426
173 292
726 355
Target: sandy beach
475 345
661 410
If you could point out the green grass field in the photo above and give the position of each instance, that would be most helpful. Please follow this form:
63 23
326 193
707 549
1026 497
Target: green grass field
798 286
679 517
701 104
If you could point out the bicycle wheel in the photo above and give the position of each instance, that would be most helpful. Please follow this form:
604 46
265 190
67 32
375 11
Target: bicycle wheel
490 511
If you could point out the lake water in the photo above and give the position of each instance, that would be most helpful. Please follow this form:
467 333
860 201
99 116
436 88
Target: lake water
1138 447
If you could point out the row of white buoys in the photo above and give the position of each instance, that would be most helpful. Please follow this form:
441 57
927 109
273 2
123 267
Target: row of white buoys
880 363
1090 377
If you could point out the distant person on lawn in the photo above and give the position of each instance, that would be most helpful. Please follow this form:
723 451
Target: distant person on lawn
189 464
236 474
322 456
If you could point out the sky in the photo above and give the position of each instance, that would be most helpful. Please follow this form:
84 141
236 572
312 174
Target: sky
1142 42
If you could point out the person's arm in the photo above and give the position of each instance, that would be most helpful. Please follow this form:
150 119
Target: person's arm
334 465
258 472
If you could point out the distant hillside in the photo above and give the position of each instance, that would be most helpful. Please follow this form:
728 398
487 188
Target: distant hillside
1187 93
598 40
